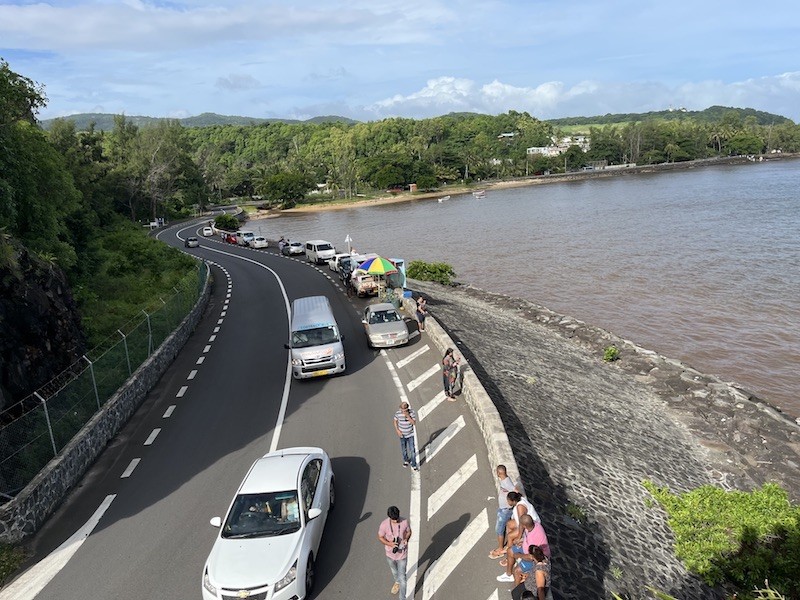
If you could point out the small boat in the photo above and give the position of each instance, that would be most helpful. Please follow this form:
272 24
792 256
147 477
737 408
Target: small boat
479 194
443 198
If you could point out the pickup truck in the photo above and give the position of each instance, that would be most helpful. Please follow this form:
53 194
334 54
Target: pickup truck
364 284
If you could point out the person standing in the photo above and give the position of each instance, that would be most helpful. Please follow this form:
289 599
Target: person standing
394 533
449 373
504 510
405 420
422 312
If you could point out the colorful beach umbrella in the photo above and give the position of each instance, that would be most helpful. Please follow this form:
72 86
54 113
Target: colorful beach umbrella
378 266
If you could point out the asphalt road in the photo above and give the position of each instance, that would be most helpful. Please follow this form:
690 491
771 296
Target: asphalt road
217 410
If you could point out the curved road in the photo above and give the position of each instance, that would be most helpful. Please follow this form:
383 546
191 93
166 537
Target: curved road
226 400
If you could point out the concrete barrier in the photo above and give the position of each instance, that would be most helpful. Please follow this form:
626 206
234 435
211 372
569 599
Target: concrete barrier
483 409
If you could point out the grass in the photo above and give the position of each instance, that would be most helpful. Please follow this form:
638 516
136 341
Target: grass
10 559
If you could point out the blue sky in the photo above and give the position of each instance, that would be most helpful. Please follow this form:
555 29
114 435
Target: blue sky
370 59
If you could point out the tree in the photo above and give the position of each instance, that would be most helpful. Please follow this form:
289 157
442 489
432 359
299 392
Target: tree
20 97
286 188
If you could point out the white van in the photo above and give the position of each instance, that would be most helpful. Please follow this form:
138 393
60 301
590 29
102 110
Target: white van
243 238
316 344
318 251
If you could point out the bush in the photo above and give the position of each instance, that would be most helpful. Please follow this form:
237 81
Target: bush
226 222
440 272
610 353
736 539
10 559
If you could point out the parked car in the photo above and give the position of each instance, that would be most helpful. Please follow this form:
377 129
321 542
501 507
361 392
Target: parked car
293 249
318 251
243 238
191 242
333 264
384 326
259 242
269 539
363 283
208 232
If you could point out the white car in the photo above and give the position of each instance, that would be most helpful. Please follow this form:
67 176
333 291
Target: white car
269 539
207 232
259 242
333 264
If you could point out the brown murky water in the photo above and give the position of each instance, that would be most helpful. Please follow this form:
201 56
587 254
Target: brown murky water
701 265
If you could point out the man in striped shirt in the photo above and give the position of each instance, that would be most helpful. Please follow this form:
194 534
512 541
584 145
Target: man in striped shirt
404 421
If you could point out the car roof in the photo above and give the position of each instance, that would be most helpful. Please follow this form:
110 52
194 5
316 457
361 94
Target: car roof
318 242
277 471
295 243
381 306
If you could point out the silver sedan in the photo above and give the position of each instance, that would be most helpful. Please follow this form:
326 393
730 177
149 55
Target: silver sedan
384 326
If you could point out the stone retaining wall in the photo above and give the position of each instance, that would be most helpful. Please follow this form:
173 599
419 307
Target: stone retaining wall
23 515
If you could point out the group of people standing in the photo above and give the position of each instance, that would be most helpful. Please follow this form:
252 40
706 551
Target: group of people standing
521 541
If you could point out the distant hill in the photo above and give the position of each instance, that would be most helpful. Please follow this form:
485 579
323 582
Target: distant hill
712 114
105 121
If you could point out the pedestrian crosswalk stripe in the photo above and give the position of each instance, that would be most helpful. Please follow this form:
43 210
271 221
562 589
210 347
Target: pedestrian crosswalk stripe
441 440
455 553
412 356
431 406
495 595
449 487
412 385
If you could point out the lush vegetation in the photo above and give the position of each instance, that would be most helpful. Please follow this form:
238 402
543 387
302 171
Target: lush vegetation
74 198
439 272
736 539
10 559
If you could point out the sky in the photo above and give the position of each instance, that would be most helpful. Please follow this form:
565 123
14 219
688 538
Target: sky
372 59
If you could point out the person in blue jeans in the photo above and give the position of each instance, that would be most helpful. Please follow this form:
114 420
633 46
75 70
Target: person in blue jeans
504 510
394 533
404 421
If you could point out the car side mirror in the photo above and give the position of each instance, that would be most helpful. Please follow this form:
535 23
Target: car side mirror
286 345
314 513
216 522
364 321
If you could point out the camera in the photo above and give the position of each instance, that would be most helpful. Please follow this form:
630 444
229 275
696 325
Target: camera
396 549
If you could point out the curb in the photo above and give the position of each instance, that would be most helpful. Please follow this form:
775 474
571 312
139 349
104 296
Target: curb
483 409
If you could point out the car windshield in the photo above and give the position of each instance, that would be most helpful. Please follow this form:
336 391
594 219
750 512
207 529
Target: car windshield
296 244
383 316
317 336
263 515
324 247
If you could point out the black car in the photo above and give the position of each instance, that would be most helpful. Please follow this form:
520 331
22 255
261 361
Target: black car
191 242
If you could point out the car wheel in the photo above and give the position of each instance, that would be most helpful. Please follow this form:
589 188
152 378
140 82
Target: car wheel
332 495
309 576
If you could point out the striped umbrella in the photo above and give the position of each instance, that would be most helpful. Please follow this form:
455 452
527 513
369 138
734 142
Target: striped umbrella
378 266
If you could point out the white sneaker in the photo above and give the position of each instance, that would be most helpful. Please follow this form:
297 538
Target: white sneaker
505 578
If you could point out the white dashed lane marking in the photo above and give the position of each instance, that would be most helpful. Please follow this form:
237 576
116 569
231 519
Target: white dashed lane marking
412 356
127 472
219 322
169 411
192 374
207 348
414 384
182 391
200 360
436 575
441 440
212 338
449 487
152 437
216 329
431 406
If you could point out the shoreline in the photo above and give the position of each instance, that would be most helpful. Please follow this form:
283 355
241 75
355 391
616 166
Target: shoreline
503 184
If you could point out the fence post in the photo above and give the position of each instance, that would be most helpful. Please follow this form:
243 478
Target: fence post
127 356
149 334
94 381
47 418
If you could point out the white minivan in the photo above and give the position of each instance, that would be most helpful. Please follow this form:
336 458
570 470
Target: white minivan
319 251
316 344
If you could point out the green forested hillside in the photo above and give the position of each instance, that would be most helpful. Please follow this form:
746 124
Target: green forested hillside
712 114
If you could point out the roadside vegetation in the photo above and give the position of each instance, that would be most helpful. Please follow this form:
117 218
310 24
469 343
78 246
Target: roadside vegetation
423 271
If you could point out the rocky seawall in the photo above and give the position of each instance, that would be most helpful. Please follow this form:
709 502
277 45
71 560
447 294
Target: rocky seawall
586 433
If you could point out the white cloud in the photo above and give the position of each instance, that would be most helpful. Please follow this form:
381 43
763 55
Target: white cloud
236 82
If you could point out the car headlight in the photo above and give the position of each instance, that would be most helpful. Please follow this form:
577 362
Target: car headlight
296 362
288 578
375 337
338 356
210 588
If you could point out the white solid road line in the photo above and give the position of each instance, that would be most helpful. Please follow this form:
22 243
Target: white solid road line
33 581
453 483
398 385
127 472
450 558
152 437
412 385
169 411
431 406
441 440
412 356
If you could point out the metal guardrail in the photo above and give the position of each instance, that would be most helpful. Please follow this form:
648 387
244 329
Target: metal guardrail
36 429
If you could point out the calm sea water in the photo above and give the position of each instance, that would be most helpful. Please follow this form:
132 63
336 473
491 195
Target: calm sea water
701 265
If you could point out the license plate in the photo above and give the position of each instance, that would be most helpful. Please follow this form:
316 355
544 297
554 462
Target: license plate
323 372
391 341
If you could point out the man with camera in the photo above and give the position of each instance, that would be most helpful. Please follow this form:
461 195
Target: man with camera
394 533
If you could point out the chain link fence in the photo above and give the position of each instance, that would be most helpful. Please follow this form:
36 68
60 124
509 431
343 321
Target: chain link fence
36 429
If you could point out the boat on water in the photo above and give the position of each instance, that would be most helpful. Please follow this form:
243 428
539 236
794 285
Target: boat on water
479 194
443 198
